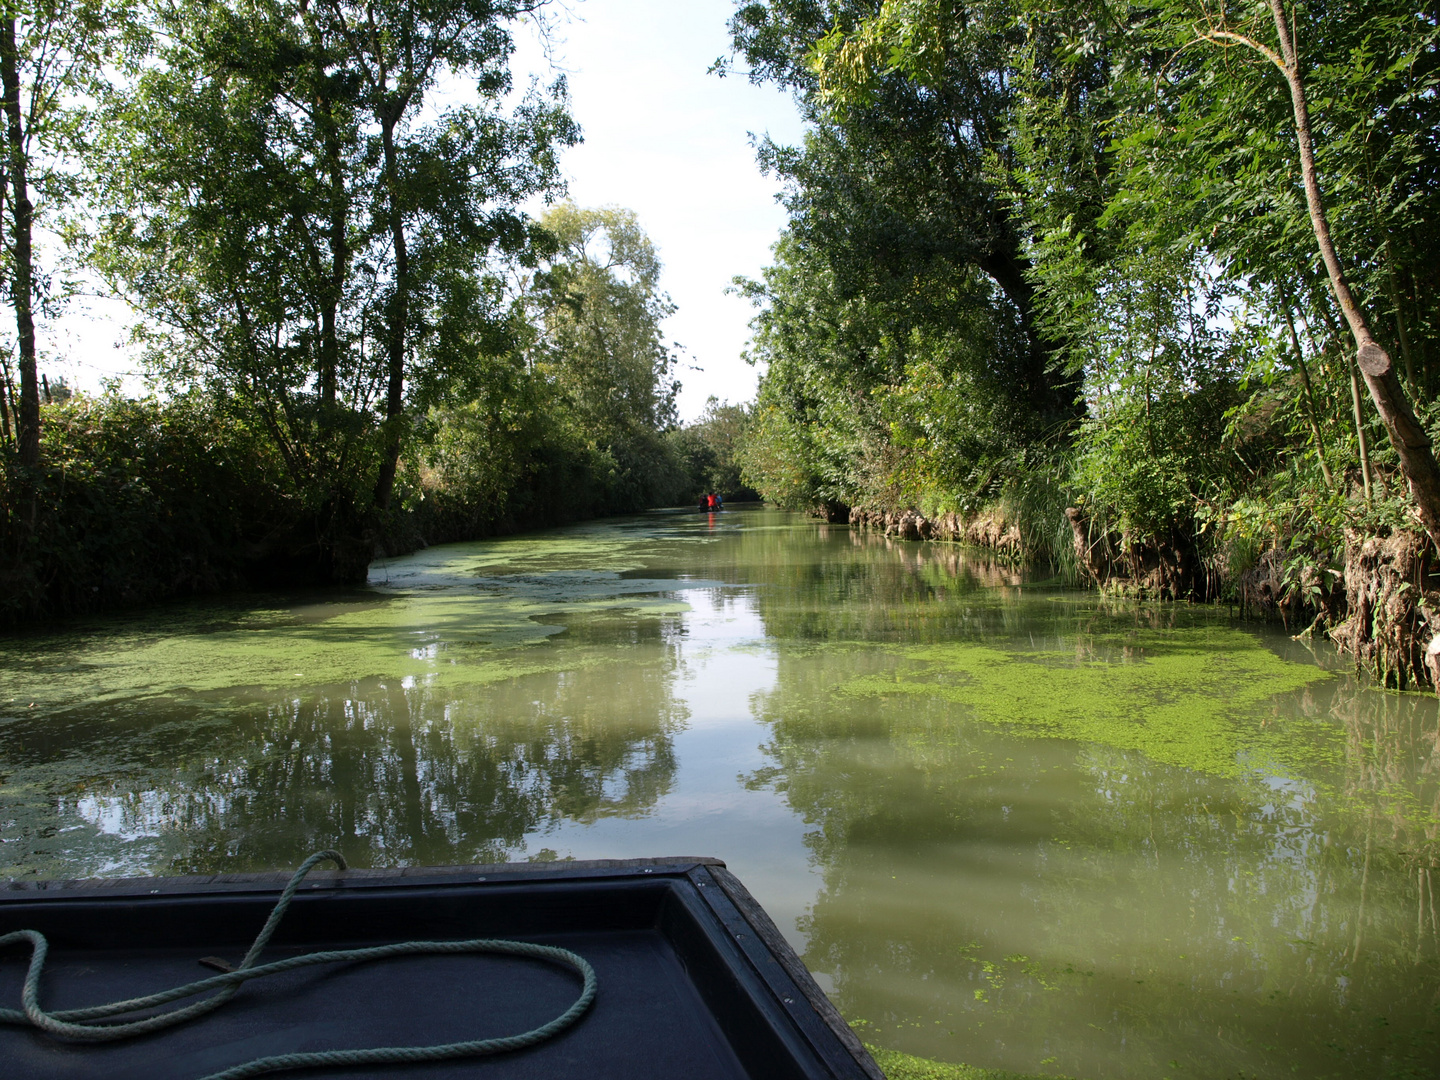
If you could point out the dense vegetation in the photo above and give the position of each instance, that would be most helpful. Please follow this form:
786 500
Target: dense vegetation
1043 256
1151 282
570 415
358 340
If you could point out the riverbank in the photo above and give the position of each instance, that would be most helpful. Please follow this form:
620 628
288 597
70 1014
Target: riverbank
1381 607
136 501
123 523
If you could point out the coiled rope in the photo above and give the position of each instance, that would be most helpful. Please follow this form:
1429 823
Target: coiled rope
80 1024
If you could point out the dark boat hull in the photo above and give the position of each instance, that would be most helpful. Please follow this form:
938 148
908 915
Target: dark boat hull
694 978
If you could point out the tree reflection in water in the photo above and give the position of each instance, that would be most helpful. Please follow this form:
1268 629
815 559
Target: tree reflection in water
1076 907
1047 831
392 774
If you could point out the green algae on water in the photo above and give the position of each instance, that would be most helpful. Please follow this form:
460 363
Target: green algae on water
1185 697
898 1066
439 621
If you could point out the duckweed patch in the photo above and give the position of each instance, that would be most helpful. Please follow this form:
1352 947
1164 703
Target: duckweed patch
898 1066
1188 697
475 634
599 546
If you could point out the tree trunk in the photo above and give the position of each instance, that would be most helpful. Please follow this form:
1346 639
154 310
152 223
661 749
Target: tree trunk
398 319
331 285
1310 409
1360 434
22 216
4 403
334 287
1055 393
1417 461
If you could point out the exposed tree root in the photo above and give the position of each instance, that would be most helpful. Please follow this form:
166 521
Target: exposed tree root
1156 569
1392 606
1384 610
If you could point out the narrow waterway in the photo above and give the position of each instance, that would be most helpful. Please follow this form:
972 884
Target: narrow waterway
1005 823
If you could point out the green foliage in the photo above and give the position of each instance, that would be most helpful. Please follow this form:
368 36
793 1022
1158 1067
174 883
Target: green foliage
905 360
899 395
301 238
597 310
1219 142
1035 499
497 458
1150 456
598 304
136 501
139 500
53 54
708 451
998 197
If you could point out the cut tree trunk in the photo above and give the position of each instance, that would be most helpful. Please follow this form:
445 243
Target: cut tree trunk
1411 443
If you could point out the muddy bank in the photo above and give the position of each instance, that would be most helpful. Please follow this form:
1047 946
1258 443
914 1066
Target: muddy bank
1393 608
1164 569
1167 571
1383 608
989 530
1125 568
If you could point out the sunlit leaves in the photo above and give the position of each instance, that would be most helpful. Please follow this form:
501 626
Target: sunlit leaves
255 175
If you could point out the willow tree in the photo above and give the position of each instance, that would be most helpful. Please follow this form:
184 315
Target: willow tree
904 176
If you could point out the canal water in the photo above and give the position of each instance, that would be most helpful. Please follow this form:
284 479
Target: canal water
1006 823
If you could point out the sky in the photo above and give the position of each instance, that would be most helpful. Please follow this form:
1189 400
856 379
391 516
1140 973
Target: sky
662 138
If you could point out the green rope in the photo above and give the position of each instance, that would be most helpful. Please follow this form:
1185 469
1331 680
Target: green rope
77 1024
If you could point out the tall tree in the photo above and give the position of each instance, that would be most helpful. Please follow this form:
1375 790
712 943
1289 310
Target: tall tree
51 53
1407 436
909 163
598 308
907 353
399 51
300 234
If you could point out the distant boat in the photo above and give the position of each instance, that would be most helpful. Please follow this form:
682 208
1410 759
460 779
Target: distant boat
691 977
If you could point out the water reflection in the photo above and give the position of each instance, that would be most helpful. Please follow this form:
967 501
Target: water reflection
391 771
1009 825
1075 907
